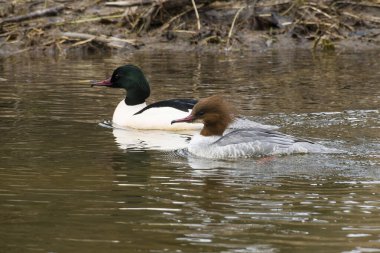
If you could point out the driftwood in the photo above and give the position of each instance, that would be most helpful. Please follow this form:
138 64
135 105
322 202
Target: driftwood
131 3
36 14
111 42
165 4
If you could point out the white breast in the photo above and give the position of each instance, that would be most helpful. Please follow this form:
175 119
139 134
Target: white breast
203 146
153 118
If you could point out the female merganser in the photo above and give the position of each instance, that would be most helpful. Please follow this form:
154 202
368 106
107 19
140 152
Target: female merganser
135 113
216 140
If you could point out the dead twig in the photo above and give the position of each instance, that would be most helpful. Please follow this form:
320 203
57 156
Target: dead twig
111 42
33 15
82 42
93 19
131 3
167 24
270 3
196 14
232 25
207 39
289 9
359 3
316 10
361 17
147 18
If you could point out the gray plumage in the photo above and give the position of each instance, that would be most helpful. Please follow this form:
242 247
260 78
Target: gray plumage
262 135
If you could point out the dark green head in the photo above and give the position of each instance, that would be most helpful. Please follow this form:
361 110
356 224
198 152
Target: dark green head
132 79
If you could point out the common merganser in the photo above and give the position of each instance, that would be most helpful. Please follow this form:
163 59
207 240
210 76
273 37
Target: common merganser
135 113
218 141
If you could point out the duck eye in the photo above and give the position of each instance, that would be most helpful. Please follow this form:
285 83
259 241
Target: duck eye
200 113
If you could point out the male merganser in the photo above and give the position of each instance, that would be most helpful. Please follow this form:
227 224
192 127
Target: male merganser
218 141
135 113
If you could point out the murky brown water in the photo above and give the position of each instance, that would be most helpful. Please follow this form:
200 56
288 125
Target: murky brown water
70 185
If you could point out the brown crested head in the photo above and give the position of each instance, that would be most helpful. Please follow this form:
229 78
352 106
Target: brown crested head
215 113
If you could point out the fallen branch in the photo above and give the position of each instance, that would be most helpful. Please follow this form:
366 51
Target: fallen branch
36 14
111 42
130 3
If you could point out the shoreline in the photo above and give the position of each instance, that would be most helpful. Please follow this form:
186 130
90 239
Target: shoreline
177 25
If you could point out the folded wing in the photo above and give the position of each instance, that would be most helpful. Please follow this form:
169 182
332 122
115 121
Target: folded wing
183 104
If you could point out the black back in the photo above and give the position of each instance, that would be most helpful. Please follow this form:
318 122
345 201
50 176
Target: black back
183 104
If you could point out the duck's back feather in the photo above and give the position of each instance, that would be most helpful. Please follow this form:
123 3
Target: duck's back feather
252 142
237 136
184 105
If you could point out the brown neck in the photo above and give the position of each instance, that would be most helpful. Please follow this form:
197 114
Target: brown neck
210 129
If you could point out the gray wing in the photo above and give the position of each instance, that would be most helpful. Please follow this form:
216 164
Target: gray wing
261 135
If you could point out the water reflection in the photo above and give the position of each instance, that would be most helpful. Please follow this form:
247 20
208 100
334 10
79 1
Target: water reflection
67 186
138 139
290 202
135 139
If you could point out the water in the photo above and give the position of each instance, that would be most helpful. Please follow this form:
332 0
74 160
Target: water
68 184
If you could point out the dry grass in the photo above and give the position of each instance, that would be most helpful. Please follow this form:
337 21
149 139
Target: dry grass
123 24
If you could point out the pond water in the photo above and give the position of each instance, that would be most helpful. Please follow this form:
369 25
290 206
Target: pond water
69 184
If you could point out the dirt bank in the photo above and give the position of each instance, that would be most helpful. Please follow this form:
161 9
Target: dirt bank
62 26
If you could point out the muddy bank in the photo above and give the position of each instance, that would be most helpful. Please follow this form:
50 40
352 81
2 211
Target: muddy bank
63 26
